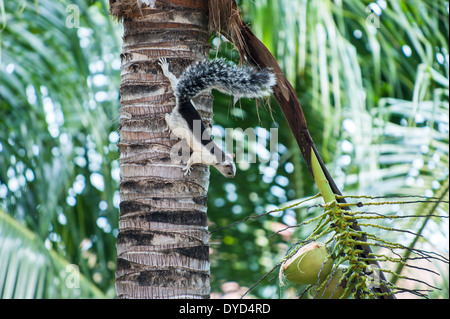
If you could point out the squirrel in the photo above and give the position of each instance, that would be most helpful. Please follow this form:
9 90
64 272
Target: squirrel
186 123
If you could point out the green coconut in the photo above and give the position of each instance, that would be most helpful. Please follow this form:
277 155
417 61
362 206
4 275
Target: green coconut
308 264
331 289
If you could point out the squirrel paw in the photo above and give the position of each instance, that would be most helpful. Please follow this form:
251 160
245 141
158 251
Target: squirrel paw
164 65
187 170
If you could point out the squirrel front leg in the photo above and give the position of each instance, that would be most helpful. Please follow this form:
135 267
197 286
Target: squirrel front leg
195 158
199 157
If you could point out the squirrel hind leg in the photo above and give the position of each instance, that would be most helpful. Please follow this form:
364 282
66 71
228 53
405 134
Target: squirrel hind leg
187 170
165 68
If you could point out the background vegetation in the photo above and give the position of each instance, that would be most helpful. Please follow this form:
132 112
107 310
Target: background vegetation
372 78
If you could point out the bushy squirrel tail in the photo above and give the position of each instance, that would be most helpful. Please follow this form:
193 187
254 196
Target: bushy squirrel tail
227 78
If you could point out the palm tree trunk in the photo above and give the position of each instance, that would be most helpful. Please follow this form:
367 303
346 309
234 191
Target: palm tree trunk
162 244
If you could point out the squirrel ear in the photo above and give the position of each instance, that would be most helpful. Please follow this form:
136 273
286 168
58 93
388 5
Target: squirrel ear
232 155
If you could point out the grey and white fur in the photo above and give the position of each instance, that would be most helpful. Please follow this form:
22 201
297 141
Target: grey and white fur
210 74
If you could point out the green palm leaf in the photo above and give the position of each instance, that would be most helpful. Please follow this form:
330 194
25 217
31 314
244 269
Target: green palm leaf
58 108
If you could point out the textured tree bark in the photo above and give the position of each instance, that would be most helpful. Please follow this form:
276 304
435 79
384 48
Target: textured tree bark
162 244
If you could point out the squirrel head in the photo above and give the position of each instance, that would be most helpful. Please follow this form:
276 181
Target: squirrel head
227 167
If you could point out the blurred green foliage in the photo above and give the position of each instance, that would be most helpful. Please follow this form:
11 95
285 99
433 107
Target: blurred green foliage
59 116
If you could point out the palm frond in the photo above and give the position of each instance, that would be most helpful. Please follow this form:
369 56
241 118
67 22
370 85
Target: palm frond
58 114
29 270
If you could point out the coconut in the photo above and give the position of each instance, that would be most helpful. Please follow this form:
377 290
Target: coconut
331 289
308 264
